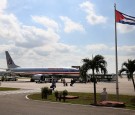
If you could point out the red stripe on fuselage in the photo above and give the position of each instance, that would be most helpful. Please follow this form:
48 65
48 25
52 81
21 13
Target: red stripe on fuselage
47 73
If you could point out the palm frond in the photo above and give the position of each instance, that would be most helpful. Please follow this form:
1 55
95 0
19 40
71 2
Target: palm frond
123 70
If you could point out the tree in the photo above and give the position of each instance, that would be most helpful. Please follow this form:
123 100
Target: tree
129 68
96 64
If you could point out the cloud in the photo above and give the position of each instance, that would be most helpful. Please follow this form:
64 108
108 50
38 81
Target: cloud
47 22
111 63
9 27
13 31
71 26
36 37
96 47
3 5
5 47
123 28
54 48
122 50
127 50
58 55
92 16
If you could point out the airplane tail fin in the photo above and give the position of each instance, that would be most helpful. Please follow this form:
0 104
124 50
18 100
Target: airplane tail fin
10 62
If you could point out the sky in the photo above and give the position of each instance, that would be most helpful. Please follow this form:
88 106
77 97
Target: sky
60 33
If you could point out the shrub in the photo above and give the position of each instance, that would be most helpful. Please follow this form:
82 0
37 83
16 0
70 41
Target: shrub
56 93
49 91
44 92
65 93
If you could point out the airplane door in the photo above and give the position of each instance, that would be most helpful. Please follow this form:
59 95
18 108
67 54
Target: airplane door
42 78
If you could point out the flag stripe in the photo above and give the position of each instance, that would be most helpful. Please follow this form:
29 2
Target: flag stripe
130 23
127 15
130 19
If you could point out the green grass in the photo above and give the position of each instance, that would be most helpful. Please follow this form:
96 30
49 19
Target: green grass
8 89
87 99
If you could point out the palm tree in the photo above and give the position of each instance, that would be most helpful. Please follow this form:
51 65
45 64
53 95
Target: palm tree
97 64
129 68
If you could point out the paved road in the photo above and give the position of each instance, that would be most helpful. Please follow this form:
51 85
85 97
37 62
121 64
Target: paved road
21 91
17 104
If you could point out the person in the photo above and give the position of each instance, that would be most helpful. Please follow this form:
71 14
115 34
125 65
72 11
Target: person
104 95
53 84
64 82
72 82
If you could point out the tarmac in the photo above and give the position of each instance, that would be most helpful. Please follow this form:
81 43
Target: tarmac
125 86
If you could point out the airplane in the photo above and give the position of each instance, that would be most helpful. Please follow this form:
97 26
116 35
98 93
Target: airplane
39 73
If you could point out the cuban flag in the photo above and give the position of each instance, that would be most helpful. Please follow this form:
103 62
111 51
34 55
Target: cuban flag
124 19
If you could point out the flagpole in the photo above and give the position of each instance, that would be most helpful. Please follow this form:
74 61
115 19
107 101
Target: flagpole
116 57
